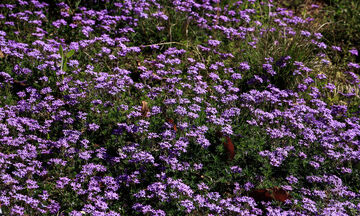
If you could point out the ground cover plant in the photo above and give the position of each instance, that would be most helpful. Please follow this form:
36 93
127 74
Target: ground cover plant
188 107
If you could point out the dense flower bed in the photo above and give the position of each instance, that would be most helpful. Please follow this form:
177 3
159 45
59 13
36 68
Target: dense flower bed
174 108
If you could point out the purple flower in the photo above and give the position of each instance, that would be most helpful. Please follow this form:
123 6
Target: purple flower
318 35
308 80
86 155
214 43
21 94
292 180
353 65
202 186
59 22
248 186
244 66
236 76
314 164
314 6
31 184
101 204
309 205
268 68
62 182
336 48
75 213
189 206
302 87
325 61
17 210
143 156
198 166
346 170
93 127
321 76
180 110
236 169
321 45
305 33
287 187
227 129
354 52
214 76
205 143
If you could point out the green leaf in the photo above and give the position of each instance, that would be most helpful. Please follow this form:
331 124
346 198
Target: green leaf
77 4
61 51
70 53
65 65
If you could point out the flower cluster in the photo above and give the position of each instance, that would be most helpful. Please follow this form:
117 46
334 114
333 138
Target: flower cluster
141 120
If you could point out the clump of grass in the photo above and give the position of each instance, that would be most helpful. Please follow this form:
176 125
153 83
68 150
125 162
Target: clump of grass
343 16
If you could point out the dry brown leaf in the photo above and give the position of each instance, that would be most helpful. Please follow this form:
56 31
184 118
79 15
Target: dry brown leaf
145 109
173 124
229 146
270 194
